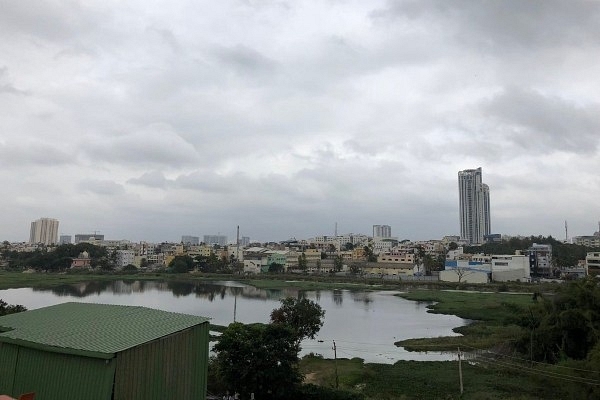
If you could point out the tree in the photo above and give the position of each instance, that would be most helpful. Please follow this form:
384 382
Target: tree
338 263
303 316
369 254
276 268
260 359
302 263
181 264
6 308
566 325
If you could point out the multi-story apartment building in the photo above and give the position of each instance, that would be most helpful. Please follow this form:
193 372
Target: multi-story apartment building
474 204
64 239
382 231
540 260
191 240
88 237
588 241
44 230
215 239
125 257
592 260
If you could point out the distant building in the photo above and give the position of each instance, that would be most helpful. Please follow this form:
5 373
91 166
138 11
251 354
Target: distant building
124 258
192 240
540 260
592 261
382 231
474 204
587 241
65 239
44 230
244 241
215 239
88 237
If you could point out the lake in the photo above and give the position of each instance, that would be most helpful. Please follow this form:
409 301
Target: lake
364 324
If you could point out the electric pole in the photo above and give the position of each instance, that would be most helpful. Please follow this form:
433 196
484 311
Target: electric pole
460 372
337 382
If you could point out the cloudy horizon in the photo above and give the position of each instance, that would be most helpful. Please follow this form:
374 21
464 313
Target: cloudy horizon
149 121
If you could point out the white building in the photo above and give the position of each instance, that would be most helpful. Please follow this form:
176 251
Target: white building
474 204
592 260
510 268
125 257
44 230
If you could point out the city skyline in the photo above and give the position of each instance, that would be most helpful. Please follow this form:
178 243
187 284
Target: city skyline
150 121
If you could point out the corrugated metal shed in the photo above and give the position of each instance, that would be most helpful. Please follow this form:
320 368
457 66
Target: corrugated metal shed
95 351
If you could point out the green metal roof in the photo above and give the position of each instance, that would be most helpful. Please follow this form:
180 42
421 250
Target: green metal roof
96 330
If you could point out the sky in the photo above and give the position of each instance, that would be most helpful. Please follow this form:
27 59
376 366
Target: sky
149 120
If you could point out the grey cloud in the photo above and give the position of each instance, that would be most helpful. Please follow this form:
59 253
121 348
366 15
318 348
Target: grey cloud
245 60
510 25
101 187
155 144
535 121
209 182
153 179
37 153
47 20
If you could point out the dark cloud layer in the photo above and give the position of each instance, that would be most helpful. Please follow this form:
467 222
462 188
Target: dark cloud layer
158 119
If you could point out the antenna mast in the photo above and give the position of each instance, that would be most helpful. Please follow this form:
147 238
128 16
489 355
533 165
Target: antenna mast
566 232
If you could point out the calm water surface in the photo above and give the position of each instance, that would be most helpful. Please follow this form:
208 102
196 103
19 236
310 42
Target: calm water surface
363 324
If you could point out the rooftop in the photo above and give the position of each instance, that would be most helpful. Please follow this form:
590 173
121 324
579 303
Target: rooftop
94 330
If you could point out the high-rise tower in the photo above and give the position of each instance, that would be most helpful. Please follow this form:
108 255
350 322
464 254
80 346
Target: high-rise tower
44 230
474 203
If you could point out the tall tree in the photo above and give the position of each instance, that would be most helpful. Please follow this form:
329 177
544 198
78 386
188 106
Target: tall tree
260 359
303 316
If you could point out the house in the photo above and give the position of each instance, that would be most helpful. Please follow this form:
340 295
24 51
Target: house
103 352
82 261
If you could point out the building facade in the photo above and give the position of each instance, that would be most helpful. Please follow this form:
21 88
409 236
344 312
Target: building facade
383 231
215 239
474 204
192 240
44 230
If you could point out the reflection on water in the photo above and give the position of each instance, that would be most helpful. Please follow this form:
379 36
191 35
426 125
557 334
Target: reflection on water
364 324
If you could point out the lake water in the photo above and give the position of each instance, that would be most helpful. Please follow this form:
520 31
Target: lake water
364 324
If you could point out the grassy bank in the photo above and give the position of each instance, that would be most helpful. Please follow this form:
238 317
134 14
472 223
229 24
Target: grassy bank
407 380
491 313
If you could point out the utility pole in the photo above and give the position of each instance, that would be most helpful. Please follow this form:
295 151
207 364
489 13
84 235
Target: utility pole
337 382
460 372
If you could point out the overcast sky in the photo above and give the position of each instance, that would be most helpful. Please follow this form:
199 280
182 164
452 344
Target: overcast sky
148 120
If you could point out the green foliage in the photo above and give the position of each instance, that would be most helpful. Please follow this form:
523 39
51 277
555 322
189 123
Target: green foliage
302 263
276 268
303 316
564 325
181 264
260 359
6 308
60 258
338 263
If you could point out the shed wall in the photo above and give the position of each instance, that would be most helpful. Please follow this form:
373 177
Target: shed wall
8 363
54 376
172 367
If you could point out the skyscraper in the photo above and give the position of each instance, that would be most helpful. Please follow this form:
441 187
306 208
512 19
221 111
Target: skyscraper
474 198
44 230
384 231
